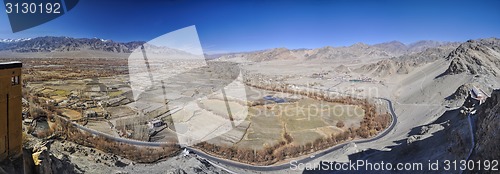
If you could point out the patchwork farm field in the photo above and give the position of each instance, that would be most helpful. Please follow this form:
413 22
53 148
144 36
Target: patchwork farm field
220 113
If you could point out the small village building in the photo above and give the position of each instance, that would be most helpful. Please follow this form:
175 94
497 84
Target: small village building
478 95
28 121
112 88
155 126
157 123
274 99
91 114
475 98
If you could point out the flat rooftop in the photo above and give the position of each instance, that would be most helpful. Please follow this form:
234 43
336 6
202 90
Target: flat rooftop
8 65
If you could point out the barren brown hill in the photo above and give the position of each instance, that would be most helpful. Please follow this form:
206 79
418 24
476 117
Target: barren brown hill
476 57
407 62
273 54
342 69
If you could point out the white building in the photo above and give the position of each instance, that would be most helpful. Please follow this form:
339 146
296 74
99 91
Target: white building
479 95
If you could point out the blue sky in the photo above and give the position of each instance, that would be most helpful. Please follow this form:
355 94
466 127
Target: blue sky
230 26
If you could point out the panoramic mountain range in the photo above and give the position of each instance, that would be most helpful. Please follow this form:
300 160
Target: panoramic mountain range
65 44
358 50
473 56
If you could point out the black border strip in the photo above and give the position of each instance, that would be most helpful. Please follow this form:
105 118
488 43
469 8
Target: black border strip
8 65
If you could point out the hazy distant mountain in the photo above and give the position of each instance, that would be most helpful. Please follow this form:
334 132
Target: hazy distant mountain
476 57
424 44
353 52
393 46
274 54
356 51
64 44
398 47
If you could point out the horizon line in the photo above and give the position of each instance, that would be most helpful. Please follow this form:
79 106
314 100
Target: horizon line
215 52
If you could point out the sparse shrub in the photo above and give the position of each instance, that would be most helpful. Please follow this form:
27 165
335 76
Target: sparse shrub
340 124
38 112
288 138
43 134
25 138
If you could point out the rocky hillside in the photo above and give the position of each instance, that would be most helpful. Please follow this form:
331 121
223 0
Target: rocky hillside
65 44
384 68
407 62
476 57
66 157
488 129
342 69
462 92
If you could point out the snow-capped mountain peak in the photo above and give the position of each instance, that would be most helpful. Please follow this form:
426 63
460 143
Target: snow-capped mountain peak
14 40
